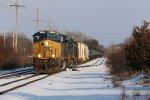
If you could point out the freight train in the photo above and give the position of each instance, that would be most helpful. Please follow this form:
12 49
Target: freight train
53 51
87 53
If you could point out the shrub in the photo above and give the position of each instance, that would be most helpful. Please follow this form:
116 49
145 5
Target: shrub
132 56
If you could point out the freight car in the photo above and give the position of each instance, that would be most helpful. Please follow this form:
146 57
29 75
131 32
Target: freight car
83 52
53 51
94 53
86 53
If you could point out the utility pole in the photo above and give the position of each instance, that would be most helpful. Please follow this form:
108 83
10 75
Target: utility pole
13 40
37 20
17 11
4 39
49 23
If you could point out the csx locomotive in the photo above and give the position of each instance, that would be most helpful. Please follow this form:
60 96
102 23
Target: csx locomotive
53 51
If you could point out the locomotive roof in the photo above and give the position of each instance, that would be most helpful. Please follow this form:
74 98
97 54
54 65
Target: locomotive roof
54 32
46 32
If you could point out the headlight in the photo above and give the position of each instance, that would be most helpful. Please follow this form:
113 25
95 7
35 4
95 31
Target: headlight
53 55
39 56
46 43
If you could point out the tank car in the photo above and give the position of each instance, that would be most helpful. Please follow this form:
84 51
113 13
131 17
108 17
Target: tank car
53 51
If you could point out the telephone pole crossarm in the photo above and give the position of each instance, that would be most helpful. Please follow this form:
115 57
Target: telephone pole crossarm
17 6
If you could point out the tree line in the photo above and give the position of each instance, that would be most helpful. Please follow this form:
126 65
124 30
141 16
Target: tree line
9 59
131 56
82 37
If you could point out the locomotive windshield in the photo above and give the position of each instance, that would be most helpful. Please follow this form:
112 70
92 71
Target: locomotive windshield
39 36
54 37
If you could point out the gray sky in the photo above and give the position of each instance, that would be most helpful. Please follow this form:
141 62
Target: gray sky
108 21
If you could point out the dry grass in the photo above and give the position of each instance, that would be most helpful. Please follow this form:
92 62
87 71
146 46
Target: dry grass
116 83
123 94
136 93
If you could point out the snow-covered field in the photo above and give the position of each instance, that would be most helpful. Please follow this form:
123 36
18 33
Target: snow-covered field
88 83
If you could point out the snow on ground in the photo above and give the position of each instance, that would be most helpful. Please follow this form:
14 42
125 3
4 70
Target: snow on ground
92 62
88 83
3 88
133 87
13 78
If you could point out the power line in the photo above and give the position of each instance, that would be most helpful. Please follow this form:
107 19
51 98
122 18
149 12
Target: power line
8 0
49 23
37 20
25 17
29 12
4 6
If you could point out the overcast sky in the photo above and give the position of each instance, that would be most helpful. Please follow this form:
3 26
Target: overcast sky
108 21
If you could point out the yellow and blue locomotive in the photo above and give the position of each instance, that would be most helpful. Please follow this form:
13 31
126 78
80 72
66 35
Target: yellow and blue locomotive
53 51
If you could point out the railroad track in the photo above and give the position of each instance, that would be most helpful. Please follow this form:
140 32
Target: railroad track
97 63
9 86
13 81
15 84
14 77
17 73
12 85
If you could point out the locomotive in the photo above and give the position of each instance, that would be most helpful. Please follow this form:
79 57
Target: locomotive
53 51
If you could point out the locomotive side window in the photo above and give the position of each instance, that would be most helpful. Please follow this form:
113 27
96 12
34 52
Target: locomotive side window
38 37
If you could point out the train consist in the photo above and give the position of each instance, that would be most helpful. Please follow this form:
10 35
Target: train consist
53 51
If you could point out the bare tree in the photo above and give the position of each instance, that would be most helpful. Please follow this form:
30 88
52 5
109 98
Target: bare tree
9 59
